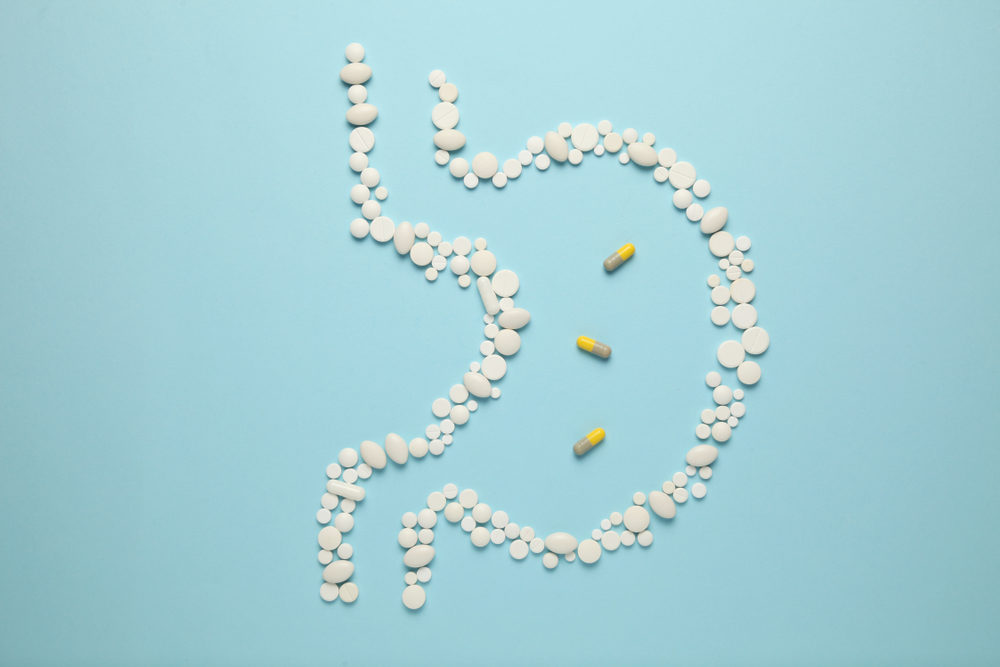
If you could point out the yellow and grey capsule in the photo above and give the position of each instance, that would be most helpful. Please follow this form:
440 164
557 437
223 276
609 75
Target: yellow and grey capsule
596 348
618 257
586 444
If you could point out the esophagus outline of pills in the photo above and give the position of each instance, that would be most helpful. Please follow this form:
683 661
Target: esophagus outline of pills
503 321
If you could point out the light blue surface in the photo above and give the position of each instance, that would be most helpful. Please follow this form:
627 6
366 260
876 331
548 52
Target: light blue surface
189 334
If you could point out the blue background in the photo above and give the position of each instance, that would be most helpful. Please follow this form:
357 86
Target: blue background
189 334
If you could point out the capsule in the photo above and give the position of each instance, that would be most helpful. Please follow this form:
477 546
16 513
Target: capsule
586 444
596 348
618 257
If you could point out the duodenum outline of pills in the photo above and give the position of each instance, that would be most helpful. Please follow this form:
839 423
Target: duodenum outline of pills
503 321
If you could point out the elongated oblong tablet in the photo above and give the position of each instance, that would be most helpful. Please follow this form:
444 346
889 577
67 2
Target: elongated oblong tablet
396 448
619 257
419 555
642 154
587 443
489 297
345 490
338 571
714 220
596 348
560 543
477 384
449 140
403 238
662 505
355 73
373 454
514 318
701 455
556 147
362 114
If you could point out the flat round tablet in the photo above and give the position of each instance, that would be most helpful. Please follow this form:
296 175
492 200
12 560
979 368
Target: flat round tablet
459 414
638 498
604 127
610 540
505 283
748 372
459 167
426 518
722 414
364 471
371 209
743 243
721 431
613 142
721 244
324 557
512 168
702 431
424 574
743 290
623 158
468 524
722 395
453 512
350 476
484 165
720 316
682 199
575 156
381 193
550 560
537 545
370 177
542 162
468 499
460 265
756 340
616 518
589 551
414 597
636 518
585 137
667 157
680 495
407 538
357 94
471 180
679 479
524 157
439 263
564 130
329 501
480 536
518 549
382 229
630 135
344 522
645 538
329 538
714 280
479 244
720 295
499 179
701 188
358 161
348 457
359 193
421 230
698 490
444 115
410 578
425 536
436 78
448 92
494 367
354 52
527 533
705 472
361 139
628 538
682 175
483 262
440 407
747 265
507 342
738 409
733 272
744 316
731 353
328 592
660 175
497 536
431 274
441 157
598 150
359 228
694 212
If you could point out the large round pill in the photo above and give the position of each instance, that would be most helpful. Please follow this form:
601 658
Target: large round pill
414 597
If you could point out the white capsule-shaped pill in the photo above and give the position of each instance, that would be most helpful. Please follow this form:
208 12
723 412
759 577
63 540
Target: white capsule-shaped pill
362 114
373 454
403 238
662 505
556 147
714 220
514 318
701 455
355 73
477 384
642 154
560 543
396 448
419 555
345 490
338 571
488 296
449 140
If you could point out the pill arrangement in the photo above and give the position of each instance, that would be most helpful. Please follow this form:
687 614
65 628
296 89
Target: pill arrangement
503 320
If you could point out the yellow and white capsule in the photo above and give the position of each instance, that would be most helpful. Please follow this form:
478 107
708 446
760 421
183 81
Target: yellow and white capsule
596 348
618 257
586 444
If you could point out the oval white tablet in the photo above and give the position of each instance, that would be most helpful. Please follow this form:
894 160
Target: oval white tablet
714 220
449 140
642 154
560 543
362 114
355 73
556 147
662 505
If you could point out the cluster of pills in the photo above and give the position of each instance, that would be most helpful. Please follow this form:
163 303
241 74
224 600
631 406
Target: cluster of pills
503 321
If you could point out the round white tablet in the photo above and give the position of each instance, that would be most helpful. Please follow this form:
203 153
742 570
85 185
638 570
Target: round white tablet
361 139
358 161
630 135
721 244
590 551
610 540
721 431
344 522
743 290
585 137
441 157
682 175
348 457
667 157
748 372
702 431
459 167
550 560
518 549
701 188
744 316
731 353
494 367
694 212
359 228
720 295
468 499
512 168
436 78
407 538
507 342
324 557
542 162
682 199
382 229
480 536
756 340
448 92
444 115
628 538
720 316
613 142
349 592
483 262
705 472
575 156
453 512
414 597
328 592
471 180
329 538
505 283
426 536
698 490
645 538
357 93
484 165
679 479
537 545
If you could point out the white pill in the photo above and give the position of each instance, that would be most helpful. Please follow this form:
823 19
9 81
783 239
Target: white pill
701 188
441 157
542 162
616 518
599 150
483 263
739 410
662 505
667 157
748 372
702 431
731 353
484 165
468 498
381 193
468 524
421 253
494 367
427 518
610 540
497 536
747 265
357 93
453 512
348 457
449 140
518 549
448 92
414 597
613 142
350 475
421 230
721 431
506 303
638 498
714 220
512 168
329 538
480 536
329 501
407 538
383 229
362 114
756 340
349 591
358 162
499 179
590 551
395 448
470 180
744 316
371 209
439 263
643 155
682 175
459 167
409 519
694 212
329 592
359 228
361 139
636 518
721 244
460 265
344 522
743 243
556 147
630 135
515 318
623 158
537 545
564 130
645 538
426 535
490 330
575 156
444 115
722 395
348 505
733 272
355 72
505 283
359 193
324 557
743 290
403 237
738 394
585 136
477 384
560 543
628 538
550 560
507 342
459 414
447 426
682 199
354 52
720 295
720 316
705 472
345 489
436 78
